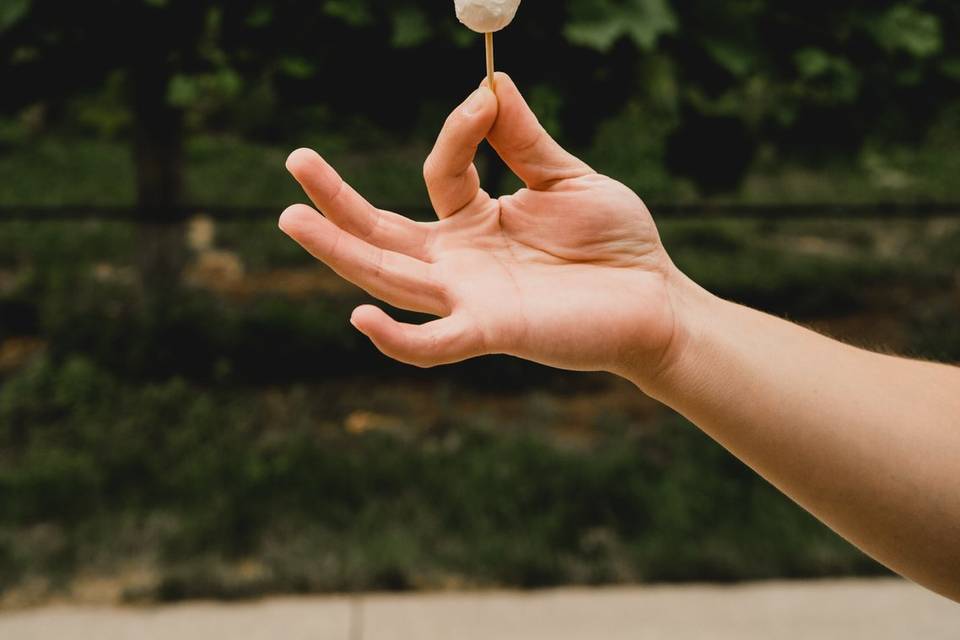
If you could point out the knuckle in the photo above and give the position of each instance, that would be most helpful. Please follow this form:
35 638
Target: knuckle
422 359
451 123
423 363
442 293
434 342
430 168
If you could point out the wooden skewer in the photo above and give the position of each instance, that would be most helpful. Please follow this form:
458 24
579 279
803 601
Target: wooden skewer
488 38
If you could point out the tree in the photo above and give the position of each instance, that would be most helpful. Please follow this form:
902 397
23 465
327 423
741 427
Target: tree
814 77
56 50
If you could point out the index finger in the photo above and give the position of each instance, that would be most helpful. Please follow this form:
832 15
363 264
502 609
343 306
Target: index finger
451 177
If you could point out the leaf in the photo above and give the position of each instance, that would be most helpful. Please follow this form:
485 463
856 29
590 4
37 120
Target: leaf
350 11
904 28
11 11
600 23
731 55
190 90
410 27
812 62
183 90
827 77
951 68
296 67
260 16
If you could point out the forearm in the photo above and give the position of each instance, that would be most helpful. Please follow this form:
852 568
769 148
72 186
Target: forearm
868 443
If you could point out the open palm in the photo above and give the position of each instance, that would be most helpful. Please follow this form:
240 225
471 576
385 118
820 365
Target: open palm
568 271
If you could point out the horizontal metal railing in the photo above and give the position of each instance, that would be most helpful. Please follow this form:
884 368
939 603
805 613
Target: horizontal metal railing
831 210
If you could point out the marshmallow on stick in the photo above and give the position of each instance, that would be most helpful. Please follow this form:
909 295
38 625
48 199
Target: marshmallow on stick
486 17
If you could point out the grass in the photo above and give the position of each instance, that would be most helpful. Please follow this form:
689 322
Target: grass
75 287
61 168
211 440
53 171
220 171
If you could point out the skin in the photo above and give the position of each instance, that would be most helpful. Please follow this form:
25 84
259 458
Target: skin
570 272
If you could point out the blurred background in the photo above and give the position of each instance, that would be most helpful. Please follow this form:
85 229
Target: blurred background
184 409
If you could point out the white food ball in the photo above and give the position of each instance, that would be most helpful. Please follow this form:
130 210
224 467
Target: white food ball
486 16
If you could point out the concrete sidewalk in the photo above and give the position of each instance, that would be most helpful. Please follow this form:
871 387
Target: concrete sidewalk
876 609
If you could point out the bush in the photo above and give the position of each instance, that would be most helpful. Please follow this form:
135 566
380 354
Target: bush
275 481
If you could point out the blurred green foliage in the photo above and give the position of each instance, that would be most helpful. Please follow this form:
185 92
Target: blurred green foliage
601 23
178 474
75 287
208 438
204 433
722 88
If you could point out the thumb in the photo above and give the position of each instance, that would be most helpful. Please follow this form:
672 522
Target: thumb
525 145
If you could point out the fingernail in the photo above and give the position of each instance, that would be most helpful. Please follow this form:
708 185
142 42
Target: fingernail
475 103
282 222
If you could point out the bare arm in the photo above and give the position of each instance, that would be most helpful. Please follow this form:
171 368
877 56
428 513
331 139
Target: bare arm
570 272
868 443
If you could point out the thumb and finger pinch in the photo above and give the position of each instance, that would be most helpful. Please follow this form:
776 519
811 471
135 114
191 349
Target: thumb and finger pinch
449 171
505 119
525 146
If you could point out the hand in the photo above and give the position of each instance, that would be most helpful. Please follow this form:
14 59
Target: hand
568 272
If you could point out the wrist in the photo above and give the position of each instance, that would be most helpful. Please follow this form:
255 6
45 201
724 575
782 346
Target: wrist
692 308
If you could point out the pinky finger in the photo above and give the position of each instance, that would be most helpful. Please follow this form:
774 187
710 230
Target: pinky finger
444 341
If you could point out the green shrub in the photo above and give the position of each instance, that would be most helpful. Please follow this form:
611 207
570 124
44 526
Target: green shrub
319 509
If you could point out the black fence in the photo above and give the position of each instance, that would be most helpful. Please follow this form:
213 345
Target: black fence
877 210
